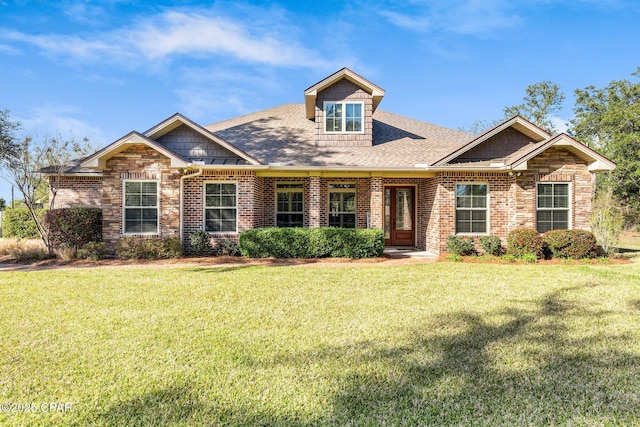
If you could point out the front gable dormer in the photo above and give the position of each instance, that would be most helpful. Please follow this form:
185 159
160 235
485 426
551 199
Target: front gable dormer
342 107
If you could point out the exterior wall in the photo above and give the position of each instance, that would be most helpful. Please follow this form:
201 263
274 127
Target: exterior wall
190 144
139 162
556 165
501 212
501 145
249 203
432 215
423 205
269 199
76 191
344 90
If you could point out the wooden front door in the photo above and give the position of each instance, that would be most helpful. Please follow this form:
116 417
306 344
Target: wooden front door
399 216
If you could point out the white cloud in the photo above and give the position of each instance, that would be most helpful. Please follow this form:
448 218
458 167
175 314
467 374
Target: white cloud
560 124
53 119
173 34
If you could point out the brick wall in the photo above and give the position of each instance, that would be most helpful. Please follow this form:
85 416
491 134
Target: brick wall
344 90
139 162
78 191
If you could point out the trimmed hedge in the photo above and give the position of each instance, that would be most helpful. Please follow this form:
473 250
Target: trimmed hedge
200 242
492 245
136 247
17 223
523 241
73 227
574 244
462 246
312 243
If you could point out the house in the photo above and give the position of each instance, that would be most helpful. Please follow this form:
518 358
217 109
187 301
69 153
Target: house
337 160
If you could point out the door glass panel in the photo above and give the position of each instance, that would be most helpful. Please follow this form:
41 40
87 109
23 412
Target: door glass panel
387 213
403 210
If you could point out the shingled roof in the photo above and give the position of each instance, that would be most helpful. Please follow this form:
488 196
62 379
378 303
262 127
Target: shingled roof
284 136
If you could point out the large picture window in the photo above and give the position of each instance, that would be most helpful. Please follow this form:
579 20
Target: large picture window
552 207
289 205
140 207
220 207
343 117
342 205
471 208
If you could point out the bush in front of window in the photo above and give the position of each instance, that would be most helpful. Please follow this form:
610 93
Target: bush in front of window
136 247
461 246
491 245
200 242
92 250
572 244
523 241
73 227
228 247
312 243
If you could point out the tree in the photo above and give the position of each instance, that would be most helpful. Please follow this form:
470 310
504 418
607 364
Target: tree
8 128
3 204
24 160
541 101
608 119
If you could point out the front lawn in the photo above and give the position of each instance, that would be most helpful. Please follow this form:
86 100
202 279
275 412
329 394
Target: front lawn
431 344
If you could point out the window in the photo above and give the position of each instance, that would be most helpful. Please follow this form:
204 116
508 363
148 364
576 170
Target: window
471 208
342 205
289 205
343 117
552 207
220 207
140 207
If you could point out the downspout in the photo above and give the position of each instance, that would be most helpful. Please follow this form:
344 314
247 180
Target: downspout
182 178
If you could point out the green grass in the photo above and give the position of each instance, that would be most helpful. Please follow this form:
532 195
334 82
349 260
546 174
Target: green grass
432 344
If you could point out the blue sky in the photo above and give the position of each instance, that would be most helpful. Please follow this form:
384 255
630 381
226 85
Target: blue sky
103 69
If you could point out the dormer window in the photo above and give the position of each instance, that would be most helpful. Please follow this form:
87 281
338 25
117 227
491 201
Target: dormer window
343 117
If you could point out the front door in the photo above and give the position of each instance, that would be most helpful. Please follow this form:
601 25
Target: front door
399 216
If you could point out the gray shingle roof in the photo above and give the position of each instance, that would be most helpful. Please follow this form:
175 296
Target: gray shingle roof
284 136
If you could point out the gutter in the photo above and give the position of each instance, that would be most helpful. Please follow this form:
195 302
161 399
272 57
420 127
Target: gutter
182 178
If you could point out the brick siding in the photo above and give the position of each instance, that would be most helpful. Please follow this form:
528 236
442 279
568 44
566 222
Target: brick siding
76 191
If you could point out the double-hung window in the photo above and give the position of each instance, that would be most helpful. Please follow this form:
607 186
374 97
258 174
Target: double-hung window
140 207
552 207
342 205
344 117
471 208
289 205
220 207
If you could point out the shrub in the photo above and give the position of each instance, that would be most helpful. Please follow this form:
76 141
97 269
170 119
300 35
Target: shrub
574 244
200 243
492 245
454 257
607 220
229 247
17 223
136 247
65 252
508 258
461 245
530 258
525 241
311 243
92 250
73 227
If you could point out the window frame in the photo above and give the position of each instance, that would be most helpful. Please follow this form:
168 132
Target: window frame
205 208
125 207
343 117
568 209
353 190
277 191
485 209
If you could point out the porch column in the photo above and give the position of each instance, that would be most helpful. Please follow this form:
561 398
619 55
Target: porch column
314 201
377 221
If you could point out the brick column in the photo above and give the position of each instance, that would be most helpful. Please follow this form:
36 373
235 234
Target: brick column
377 220
314 202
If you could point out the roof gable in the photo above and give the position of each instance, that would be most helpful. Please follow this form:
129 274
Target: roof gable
311 93
517 123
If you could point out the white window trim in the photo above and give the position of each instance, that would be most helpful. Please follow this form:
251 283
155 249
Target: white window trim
288 190
344 121
487 209
569 209
204 207
342 190
124 207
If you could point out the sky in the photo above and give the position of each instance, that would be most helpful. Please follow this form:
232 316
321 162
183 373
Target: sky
103 69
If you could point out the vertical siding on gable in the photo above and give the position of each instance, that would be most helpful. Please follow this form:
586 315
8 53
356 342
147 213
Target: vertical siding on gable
344 90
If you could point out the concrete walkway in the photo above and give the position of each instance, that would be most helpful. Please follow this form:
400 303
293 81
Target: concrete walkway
399 252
